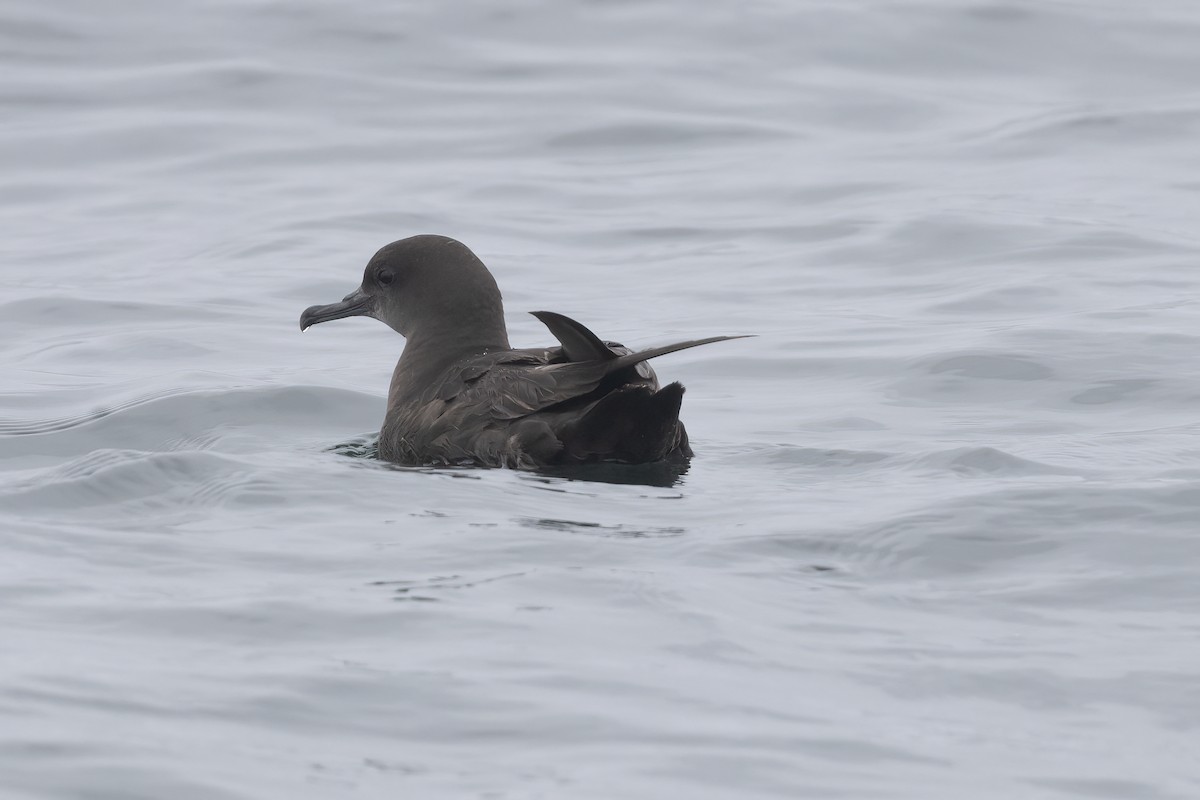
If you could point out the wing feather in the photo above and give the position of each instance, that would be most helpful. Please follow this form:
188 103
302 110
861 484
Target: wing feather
516 388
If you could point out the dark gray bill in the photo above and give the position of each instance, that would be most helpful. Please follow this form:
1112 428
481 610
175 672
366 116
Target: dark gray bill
356 304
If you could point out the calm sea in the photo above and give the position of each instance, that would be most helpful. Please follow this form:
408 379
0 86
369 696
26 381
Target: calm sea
941 537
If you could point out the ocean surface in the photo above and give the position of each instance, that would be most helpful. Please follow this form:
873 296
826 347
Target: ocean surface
941 536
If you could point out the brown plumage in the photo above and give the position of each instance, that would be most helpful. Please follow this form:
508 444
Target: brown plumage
461 395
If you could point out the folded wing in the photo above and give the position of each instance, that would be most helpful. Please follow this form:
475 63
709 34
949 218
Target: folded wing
517 388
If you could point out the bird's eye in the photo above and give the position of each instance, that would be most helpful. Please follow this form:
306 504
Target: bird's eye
385 277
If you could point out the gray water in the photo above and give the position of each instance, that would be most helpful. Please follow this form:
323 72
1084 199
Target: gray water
941 538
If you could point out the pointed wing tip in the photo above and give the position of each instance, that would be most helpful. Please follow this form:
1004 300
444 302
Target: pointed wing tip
715 339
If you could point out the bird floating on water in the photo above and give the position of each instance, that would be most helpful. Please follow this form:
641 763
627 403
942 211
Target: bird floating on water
461 395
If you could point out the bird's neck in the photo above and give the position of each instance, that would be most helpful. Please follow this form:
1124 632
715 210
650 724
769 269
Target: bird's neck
428 354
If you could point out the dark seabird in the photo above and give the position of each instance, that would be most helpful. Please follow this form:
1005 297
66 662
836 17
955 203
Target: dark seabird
461 394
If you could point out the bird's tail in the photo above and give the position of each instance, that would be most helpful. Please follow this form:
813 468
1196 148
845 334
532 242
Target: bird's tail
634 425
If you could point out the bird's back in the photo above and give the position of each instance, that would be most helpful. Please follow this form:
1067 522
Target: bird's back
536 407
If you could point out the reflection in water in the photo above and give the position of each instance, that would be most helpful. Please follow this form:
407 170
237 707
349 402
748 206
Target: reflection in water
663 474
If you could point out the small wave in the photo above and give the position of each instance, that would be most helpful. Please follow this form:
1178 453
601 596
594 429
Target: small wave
138 489
992 366
74 312
1076 129
429 589
816 458
988 461
620 531
1004 300
115 477
1016 534
360 447
15 427
662 134
164 419
1113 391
